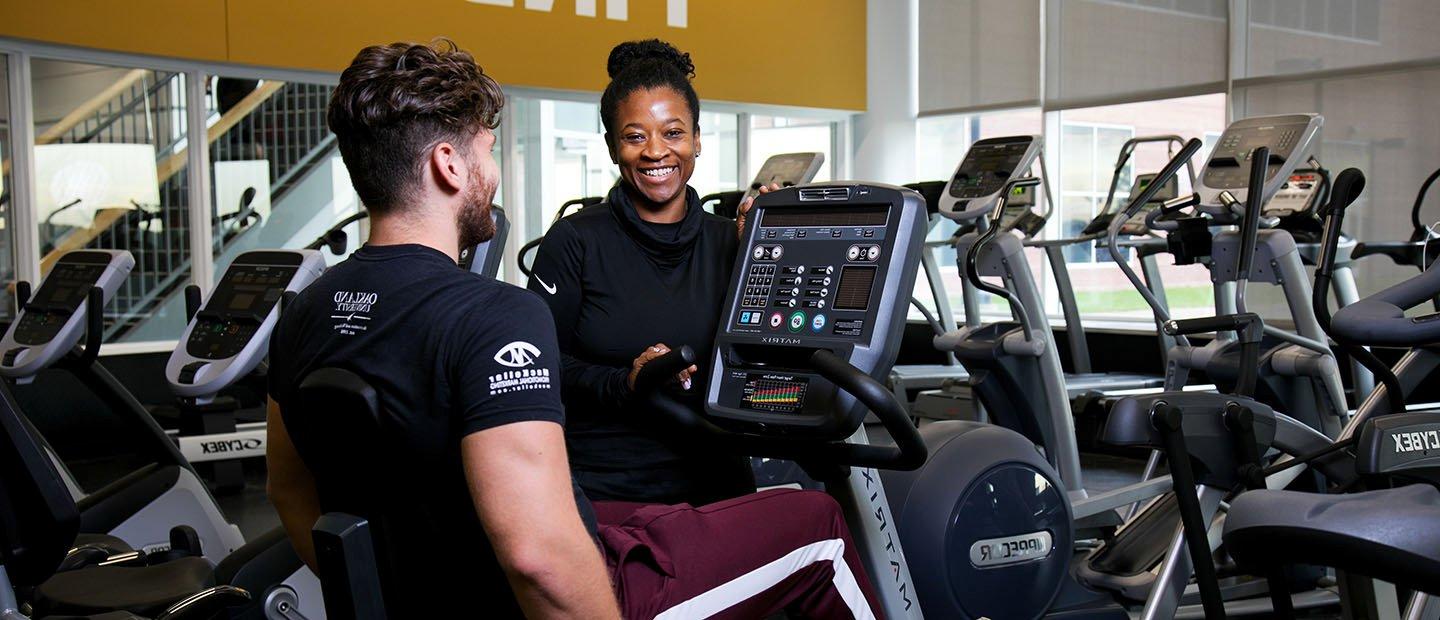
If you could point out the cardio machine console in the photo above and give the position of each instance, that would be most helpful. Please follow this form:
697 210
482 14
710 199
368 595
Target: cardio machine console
785 170
1135 226
982 175
53 320
1289 138
229 335
1296 195
823 268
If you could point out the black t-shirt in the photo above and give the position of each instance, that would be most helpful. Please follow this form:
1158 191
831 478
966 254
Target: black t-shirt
617 285
450 353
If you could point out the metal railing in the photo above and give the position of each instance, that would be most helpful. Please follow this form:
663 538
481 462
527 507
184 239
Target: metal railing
288 129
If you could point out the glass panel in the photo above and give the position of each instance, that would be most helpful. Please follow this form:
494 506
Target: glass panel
940 143
1300 36
577 162
276 173
772 135
1384 125
111 172
7 246
717 169
1090 143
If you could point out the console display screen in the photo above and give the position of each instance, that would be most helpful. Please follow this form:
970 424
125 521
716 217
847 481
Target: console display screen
66 287
793 217
774 393
854 290
249 291
987 167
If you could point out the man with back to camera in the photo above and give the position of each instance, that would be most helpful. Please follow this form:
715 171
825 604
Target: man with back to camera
466 369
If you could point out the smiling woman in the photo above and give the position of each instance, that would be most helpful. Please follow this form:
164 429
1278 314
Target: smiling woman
634 276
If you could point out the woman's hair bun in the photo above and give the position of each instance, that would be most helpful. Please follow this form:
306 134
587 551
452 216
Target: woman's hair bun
631 52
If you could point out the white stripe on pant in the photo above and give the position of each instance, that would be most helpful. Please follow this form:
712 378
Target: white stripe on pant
741 588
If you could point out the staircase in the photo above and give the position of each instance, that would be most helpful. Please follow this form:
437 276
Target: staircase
282 123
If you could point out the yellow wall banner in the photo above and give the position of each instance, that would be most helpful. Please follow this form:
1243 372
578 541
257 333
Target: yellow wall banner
807 53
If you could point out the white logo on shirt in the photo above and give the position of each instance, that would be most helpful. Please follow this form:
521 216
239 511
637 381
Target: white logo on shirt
520 381
352 307
549 288
517 354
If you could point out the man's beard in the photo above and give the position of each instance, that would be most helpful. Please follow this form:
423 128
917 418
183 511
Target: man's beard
474 220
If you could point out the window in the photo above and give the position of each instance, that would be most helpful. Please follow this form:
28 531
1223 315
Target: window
940 144
277 176
7 246
111 172
772 135
1087 155
1090 142
717 169
1382 124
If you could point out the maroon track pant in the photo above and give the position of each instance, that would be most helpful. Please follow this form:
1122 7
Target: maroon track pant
747 557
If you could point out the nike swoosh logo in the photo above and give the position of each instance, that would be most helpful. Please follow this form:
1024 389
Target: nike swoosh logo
549 288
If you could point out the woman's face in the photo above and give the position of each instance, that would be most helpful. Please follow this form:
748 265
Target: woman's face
656 144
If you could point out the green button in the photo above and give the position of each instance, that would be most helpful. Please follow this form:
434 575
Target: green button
797 321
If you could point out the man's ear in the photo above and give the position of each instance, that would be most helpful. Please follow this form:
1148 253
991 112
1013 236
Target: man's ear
448 167
610 146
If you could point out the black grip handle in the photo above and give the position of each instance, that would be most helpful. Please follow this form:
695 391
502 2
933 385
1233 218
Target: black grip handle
972 257
1420 230
526 267
909 451
192 301
94 325
997 213
1242 324
22 295
1246 325
1347 189
1254 203
659 371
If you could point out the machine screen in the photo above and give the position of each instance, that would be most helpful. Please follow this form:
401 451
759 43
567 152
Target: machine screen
1229 165
785 170
66 287
774 392
1136 225
854 290
57 300
237 309
249 291
1296 195
797 217
987 167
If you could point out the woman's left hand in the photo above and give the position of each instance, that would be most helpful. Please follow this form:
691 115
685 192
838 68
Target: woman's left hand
744 209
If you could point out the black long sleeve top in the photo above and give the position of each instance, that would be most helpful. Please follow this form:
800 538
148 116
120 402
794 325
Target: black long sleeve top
617 285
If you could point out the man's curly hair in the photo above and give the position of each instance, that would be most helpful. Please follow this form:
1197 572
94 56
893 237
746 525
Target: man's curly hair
396 102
